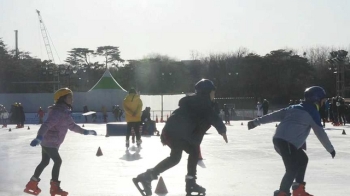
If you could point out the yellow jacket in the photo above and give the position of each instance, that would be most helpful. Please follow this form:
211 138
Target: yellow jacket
132 105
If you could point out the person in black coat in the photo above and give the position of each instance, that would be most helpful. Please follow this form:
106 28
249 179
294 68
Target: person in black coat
184 131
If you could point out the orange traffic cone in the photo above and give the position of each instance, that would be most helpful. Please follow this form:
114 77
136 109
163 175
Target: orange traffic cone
99 152
200 154
161 188
344 133
156 118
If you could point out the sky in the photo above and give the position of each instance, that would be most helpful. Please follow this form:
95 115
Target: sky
176 28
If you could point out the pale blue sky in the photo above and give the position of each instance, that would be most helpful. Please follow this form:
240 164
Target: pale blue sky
176 27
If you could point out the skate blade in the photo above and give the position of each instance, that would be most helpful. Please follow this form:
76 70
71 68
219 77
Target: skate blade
136 182
31 192
195 194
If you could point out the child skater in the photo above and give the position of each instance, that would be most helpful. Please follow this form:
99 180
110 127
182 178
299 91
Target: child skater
51 135
184 131
290 138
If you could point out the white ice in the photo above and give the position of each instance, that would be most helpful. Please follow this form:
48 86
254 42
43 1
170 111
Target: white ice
247 165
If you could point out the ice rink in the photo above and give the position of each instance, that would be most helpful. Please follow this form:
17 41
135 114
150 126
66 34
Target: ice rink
247 165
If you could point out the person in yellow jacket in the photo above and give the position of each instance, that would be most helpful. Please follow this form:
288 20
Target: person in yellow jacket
132 105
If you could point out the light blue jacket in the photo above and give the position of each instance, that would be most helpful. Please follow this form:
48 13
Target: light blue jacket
296 123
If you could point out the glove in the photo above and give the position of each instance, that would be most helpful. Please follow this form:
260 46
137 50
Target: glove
251 125
90 132
333 154
36 141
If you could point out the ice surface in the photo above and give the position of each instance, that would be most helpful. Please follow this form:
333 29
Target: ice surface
247 165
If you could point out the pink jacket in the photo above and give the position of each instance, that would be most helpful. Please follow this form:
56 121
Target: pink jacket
55 128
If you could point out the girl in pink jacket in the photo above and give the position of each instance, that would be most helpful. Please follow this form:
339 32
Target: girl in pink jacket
51 135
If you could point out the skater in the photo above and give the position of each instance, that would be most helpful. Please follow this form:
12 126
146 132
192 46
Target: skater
51 135
184 131
290 138
40 114
133 106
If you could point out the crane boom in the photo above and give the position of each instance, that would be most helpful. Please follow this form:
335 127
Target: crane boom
46 38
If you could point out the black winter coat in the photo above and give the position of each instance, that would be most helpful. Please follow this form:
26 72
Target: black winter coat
191 121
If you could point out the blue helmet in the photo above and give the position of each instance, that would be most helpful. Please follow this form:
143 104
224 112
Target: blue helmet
204 86
314 94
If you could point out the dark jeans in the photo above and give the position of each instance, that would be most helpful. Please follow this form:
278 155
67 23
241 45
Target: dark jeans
48 153
295 161
136 126
175 157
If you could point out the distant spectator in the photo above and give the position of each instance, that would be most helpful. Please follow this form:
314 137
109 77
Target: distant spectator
4 115
117 112
265 107
22 116
226 114
259 109
85 109
40 114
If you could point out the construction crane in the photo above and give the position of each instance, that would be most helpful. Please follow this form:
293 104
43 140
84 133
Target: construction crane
50 70
45 37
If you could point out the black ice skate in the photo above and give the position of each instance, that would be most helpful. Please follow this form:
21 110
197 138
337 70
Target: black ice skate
138 142
145 179
193 187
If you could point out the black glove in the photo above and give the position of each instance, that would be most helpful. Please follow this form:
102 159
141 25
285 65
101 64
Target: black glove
251 125
333 154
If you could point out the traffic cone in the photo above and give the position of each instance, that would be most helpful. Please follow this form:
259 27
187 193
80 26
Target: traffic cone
156 118
344 133
161 119
28 128
200 154
99 152
161 188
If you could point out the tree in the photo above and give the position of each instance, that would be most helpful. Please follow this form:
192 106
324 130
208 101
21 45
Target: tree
79 55
111 54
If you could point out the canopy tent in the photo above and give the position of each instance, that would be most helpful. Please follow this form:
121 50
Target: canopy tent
106 92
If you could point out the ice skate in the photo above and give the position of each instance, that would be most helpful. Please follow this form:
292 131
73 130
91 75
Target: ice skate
138 142
192 186
127 144
55 189
280 193
145 179
299 189
32 186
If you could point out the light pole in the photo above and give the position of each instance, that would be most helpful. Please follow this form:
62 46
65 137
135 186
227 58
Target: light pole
163 81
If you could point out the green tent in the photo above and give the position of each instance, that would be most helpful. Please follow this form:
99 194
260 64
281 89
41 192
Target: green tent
107 82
